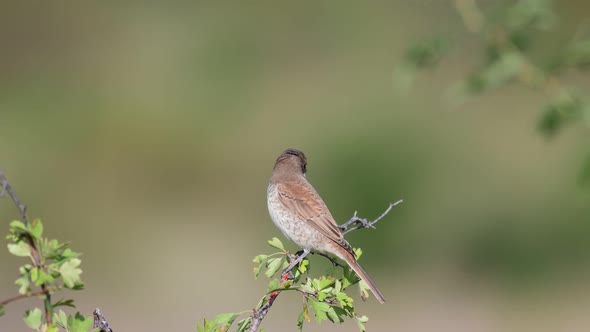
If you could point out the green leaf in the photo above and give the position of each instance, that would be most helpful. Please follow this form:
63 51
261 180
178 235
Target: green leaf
36 229
79 323
224 321
260 258
325 282
320 310
20 249
24 283
307 287
64 303
272 285
205 327
364 290
360 322
51 328
61 319
300 321
257 270
244 324
343 312
337 286
344 299
349 278
1 310
68 253
361 326
18 225
333 316
276 243
70 272
33 318
303 265
35 274
358 252
44 278
273 265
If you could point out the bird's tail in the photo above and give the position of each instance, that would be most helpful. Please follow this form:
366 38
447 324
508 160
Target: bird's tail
351 261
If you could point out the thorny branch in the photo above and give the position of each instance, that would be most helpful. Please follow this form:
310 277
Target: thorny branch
363 222
356 222
22 208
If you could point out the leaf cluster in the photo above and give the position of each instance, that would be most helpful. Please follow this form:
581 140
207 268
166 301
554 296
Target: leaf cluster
53 266
325 297
510 34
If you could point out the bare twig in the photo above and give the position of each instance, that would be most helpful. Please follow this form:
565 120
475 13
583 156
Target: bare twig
259 314
6 187
100 322
22 296
22 208
363 222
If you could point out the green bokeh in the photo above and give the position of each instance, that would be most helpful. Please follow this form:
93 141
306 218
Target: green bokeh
146 134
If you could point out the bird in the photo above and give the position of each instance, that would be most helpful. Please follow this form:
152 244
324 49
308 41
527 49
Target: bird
299 212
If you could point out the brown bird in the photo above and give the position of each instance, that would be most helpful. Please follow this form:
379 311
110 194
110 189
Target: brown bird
303 217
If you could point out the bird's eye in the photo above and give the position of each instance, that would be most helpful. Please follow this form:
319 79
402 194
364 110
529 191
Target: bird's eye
293 153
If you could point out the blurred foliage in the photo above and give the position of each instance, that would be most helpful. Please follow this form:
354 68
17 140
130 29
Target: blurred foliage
508 36
118 117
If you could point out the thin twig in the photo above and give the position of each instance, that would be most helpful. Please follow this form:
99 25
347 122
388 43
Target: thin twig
363 222
259 314
6 187
22 296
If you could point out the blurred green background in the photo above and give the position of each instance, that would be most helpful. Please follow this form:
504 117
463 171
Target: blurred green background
146 133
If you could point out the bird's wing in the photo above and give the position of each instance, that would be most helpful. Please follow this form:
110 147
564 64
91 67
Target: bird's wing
302 199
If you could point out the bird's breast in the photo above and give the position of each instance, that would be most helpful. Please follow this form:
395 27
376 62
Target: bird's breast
290 223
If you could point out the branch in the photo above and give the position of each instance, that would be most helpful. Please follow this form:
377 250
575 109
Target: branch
22 208
6 187
100 322
363 222
22 296
259 314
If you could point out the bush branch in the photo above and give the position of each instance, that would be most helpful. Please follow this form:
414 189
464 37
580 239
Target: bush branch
22 208
356 222
359 223
23 296
6 187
